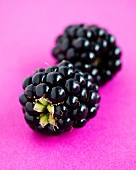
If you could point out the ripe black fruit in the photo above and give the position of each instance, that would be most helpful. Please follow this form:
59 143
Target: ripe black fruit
59 98
89 48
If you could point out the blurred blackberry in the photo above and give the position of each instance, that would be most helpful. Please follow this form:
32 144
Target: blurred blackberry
91 49
58 98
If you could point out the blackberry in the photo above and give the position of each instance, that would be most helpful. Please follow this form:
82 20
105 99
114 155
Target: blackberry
59 98
90 49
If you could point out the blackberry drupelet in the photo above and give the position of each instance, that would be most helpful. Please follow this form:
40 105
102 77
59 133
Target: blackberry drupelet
59 98
90 49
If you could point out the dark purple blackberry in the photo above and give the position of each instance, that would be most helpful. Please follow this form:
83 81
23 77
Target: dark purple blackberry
58 99
39 70
27 82
90 49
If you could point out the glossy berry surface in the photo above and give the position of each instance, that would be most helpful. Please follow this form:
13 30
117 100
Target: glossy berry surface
59 98
57 94
42 90
27 82
90 49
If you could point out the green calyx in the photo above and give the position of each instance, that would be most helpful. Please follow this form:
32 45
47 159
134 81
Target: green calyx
51 120
97 61
42 104
43 101
39 107
44 120
50 108
47 118
47 112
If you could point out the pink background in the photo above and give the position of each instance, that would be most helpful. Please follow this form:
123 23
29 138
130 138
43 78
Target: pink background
27 33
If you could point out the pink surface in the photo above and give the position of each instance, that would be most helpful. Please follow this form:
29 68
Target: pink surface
27 33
